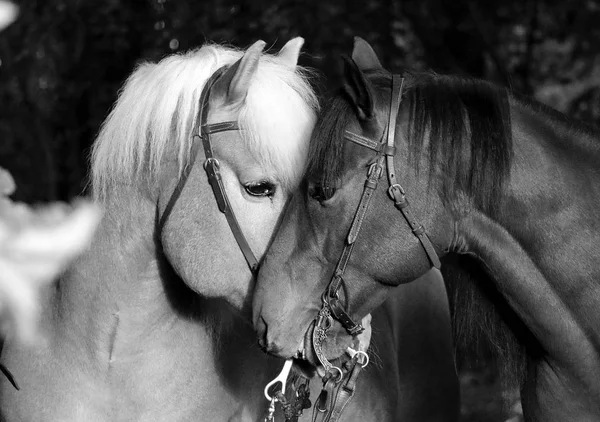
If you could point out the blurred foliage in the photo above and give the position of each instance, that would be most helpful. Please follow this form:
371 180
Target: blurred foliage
63 61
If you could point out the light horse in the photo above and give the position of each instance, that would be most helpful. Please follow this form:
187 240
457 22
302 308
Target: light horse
151 322
507 185
148 324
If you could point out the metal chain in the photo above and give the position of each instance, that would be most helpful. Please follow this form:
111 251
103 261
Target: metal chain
271 413
292 409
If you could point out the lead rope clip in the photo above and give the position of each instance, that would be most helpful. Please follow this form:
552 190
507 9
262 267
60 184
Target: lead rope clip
281 378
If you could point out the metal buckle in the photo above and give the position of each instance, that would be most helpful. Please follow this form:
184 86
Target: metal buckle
358 354
281 378
396 188
213 162
375 166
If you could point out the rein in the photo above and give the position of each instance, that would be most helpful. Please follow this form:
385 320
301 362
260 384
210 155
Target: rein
202 131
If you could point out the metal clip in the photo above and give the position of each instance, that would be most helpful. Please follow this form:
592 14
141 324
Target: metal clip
359 355
282 378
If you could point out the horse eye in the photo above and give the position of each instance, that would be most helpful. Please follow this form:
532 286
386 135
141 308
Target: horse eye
322 193
263 188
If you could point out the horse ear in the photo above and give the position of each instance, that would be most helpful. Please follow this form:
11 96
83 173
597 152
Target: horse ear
358 89
290 52
364 56
233 85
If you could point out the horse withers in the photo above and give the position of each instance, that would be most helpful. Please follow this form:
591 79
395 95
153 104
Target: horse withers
505 184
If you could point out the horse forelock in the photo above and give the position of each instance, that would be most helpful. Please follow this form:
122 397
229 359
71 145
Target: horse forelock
278 118
159 104
325 164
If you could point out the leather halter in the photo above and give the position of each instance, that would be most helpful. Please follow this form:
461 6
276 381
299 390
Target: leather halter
202 131
385 150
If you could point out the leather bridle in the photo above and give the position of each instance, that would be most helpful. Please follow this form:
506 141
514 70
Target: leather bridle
202 131
336 394
385 149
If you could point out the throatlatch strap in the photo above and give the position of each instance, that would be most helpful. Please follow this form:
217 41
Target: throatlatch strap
391 127
396 191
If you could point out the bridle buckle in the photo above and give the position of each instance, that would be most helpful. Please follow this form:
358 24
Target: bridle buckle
396 191
213 163
375 167
396 188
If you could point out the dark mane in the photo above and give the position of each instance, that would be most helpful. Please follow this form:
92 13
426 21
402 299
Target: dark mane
465 121
324 163
465 127
470 135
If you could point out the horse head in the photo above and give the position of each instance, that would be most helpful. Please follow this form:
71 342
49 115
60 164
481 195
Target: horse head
343 242
154 139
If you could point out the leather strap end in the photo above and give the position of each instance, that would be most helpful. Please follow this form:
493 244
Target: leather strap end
340 314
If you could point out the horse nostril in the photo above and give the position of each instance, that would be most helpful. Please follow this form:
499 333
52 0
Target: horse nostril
261 329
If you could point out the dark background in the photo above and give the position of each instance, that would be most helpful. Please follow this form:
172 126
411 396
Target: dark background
63 61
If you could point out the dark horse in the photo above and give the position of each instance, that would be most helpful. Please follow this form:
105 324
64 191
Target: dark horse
500 182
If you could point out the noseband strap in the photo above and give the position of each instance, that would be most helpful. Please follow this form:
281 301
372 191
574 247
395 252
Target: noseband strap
385 150
202 131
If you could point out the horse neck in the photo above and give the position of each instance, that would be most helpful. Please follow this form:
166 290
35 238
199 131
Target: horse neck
541 247
554 189
121 314
121 259
118 288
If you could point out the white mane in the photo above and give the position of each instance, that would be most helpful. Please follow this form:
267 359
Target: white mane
158 105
